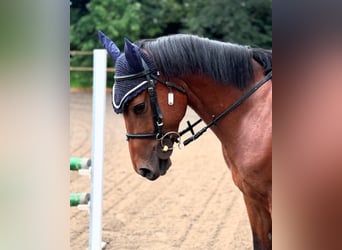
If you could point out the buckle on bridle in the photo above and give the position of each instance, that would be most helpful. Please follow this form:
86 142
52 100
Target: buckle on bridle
160 124
168 136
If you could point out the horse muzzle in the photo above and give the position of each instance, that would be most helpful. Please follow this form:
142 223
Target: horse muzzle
160 161
153 172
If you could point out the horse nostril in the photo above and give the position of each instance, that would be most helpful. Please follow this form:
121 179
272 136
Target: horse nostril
145 172
148 173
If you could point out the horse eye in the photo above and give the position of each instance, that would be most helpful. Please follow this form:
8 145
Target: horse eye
139 109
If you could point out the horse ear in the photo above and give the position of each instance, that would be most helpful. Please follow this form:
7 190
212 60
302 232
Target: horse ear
109 45
132 55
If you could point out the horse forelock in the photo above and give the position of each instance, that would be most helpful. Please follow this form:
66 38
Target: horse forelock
125 90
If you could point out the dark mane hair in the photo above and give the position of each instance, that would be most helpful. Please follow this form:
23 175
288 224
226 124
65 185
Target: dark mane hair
178 55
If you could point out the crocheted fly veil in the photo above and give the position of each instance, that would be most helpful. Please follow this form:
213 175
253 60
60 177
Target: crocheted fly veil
127 63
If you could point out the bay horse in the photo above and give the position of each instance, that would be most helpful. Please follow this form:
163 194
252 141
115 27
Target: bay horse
225 84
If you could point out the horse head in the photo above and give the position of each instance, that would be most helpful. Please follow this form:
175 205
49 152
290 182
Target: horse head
152 107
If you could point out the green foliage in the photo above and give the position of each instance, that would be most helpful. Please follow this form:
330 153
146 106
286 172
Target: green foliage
245 22
116 18
82 79
160 17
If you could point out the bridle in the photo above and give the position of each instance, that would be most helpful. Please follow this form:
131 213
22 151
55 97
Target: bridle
167 139
152 80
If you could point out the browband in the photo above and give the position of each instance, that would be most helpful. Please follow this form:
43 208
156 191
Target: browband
133 76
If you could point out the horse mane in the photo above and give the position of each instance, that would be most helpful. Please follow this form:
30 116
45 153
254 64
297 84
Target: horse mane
227 63
264 58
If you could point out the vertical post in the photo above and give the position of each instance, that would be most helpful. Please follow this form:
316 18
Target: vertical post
97 155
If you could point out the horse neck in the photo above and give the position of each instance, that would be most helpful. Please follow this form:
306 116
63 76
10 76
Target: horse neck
247 124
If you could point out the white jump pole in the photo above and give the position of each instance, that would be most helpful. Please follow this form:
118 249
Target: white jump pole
97 155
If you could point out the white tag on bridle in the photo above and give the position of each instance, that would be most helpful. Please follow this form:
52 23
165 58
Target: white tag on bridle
170 99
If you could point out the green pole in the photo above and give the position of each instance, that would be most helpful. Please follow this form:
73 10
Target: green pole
79 198
79 163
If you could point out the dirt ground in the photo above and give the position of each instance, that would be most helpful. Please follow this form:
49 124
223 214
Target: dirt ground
194 206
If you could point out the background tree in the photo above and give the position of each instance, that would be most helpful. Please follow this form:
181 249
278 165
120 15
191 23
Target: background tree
246 22
118 19
112 17
161 17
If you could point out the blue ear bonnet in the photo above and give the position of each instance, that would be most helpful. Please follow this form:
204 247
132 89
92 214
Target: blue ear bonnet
126 90
130 62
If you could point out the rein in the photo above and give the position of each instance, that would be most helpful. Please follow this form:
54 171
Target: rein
224 113
166 139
